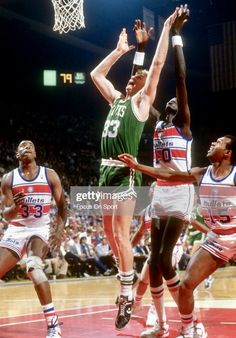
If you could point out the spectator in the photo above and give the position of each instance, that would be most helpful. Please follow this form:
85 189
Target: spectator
93 265
104 253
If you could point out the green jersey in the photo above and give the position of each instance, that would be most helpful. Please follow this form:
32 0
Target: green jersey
195 234
122 130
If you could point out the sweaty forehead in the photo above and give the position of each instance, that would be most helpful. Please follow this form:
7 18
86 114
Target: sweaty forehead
25 142
223 140
173 100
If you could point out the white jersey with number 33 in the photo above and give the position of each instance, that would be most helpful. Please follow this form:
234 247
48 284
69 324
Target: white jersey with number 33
35 211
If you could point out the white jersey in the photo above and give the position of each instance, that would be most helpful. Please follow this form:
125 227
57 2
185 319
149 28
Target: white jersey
218 201
171 149
35 211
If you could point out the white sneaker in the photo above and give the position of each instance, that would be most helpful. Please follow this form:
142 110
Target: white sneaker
151 316
187 332
137 307
54 330
200 331
157 331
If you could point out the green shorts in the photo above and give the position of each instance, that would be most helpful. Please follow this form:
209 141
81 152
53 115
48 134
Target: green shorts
123 178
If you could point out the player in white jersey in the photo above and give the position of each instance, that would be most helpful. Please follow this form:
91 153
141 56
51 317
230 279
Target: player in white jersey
217 192
172 202
144 280
27 193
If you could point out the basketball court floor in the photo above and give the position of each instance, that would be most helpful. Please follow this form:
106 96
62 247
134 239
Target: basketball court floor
86 308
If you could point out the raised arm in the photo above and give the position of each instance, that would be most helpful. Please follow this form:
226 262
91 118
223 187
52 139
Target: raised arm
142 37
145 98
183 117
99 73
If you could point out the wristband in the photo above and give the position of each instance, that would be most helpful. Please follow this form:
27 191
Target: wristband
177 41
138 58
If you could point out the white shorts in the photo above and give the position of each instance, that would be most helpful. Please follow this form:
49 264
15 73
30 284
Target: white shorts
221 246
16 238
176 201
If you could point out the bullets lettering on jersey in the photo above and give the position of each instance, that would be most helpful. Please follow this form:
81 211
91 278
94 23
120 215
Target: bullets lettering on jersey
32 200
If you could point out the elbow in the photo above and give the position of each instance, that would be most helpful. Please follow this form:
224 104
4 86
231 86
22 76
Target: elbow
92 74
159 62
95 76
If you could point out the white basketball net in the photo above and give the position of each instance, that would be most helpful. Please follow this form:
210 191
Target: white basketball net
69 15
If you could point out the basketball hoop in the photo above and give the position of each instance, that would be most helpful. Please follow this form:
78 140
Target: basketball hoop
69 15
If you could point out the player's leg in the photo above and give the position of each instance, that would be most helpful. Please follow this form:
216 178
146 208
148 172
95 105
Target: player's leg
36 252
123 215
161 327
173 229
8 259
140 292
201 265
108 177
107 216
141 287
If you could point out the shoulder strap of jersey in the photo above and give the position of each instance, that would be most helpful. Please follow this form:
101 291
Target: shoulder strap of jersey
235 176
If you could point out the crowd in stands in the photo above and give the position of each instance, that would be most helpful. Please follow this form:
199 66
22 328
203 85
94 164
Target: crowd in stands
65 143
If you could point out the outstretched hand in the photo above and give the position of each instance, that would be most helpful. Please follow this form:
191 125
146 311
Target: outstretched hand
170 20
122 44
141 32
181 18
129 160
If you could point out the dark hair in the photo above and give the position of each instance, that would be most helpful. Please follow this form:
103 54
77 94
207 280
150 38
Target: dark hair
83 237
232 146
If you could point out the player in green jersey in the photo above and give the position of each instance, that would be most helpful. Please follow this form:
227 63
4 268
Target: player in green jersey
121 134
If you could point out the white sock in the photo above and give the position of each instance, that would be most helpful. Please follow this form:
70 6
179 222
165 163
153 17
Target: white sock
126 283
49 312
158 300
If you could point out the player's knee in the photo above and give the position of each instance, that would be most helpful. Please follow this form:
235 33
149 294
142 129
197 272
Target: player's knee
153 259
166 264
34 268
121 241
186 285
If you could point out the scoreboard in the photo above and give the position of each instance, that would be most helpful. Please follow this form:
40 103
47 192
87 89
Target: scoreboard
54 78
